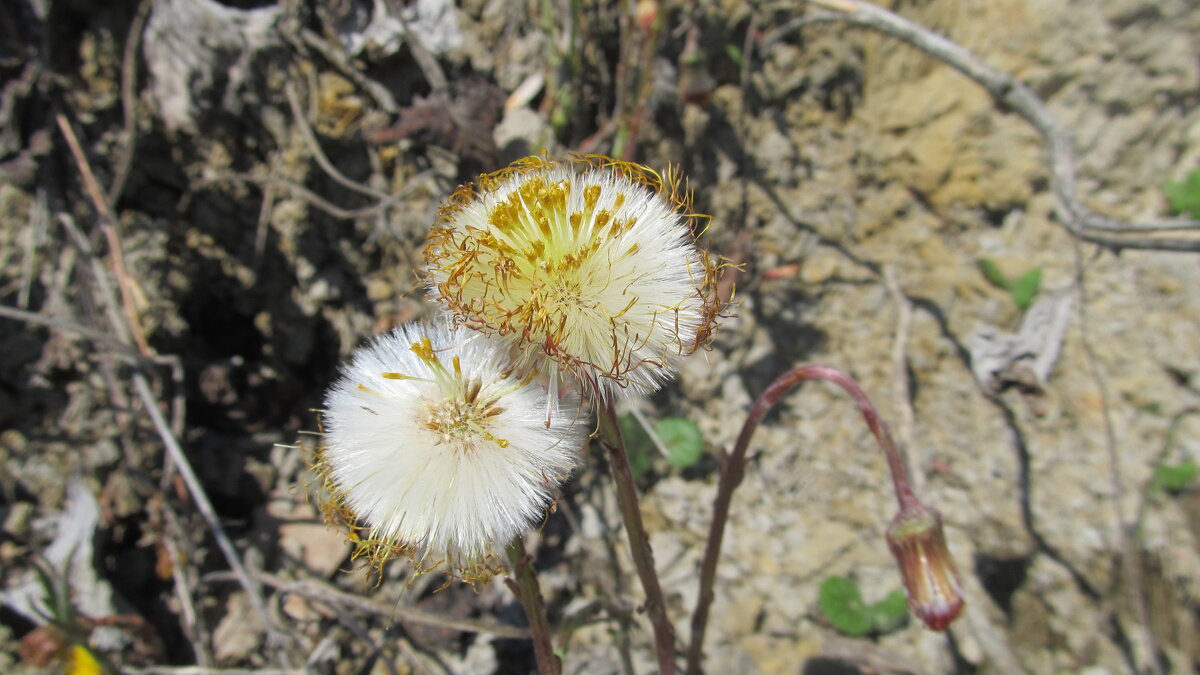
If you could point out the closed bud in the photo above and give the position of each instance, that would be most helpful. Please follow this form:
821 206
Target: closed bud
930 578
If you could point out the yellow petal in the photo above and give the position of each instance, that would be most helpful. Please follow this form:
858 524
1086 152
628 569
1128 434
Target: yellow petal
83 663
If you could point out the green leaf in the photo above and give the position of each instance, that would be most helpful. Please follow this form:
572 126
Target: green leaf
735 53
889 614
1174 478
1151 408
1025 287
991 271
637 445
684 442
1184 196
842 604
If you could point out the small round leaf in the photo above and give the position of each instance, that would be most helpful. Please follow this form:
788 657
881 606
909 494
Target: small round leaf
637 445
684 442
841 603
889 614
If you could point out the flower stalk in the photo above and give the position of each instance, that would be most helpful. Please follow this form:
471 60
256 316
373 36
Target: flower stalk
639 541
524 584
915 535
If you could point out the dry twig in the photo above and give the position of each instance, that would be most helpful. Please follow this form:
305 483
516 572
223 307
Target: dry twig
33 237
338 59
202 670
430 68
321 591
301 192
1131 557
264 213
1079 220
128 142
129 331
310 140
204 506
108 225
70 327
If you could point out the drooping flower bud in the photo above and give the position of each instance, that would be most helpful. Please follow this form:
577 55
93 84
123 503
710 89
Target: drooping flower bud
930 579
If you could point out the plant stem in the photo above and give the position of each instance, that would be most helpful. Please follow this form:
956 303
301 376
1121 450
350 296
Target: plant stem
639 543
525 587
734 468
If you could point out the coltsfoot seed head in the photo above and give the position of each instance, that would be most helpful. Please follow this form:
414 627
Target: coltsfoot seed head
585 267
438 451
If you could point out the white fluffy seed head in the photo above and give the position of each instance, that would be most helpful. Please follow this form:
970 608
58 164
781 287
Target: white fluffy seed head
586 267
438 451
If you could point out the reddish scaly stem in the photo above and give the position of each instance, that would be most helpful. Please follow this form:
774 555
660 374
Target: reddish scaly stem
639 541
526 588
734 467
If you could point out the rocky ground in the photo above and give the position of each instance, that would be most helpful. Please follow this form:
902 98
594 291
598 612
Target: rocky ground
268 172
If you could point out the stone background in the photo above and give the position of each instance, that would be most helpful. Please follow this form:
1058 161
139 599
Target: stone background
835 157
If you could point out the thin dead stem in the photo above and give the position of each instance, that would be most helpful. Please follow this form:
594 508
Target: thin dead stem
205 507
193 625
34 236
314 148
430 68
108 225
1131 556
201 670
323 591
128 140
301 192
901 393
72 328
649 429
340 60
263 226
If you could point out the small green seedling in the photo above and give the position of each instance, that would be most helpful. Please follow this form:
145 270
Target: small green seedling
1174 478
734 52
681 440
842 604
1023 289
1184 196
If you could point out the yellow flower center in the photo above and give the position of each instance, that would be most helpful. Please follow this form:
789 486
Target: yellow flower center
585 267
463 412
535 270
462 420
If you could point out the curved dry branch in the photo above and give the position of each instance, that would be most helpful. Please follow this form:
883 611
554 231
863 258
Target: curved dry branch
1079 220
322 591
